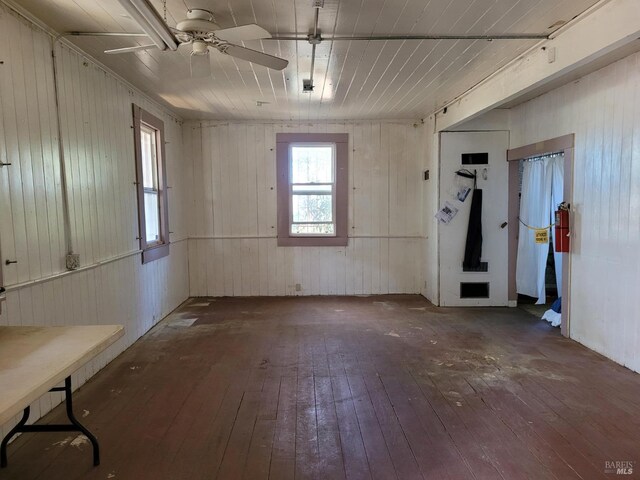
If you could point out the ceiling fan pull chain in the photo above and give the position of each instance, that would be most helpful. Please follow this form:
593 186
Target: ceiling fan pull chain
164 10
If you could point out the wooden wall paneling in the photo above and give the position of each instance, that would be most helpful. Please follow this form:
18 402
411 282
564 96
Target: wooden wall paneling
207 181
362 152
603 111
108 162
194 146
20 270
99 164
96 120
243 173
628 190
397 181
79 157
37 111
86 95
266 180
6 215
30 151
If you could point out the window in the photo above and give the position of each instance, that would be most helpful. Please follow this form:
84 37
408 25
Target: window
312 189
151 182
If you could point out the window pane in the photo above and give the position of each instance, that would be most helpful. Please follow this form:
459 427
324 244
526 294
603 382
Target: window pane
149 160
312 208
312 188
313 229
313 164
152 216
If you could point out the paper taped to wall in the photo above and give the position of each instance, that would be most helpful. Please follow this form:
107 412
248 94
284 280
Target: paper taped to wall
446 213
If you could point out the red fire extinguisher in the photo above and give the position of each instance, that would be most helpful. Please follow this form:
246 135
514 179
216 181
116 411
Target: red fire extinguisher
562 228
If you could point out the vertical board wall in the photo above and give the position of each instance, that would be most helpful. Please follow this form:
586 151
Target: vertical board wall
112 285
494 213
232 245
603 110
430 191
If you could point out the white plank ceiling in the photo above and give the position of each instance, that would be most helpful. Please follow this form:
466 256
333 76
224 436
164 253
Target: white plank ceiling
353 79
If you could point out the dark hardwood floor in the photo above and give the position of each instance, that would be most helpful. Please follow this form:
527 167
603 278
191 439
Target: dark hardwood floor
346 387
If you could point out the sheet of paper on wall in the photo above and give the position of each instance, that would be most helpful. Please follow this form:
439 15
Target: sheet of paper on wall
446 213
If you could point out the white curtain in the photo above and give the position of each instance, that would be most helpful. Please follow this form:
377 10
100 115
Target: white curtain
542 182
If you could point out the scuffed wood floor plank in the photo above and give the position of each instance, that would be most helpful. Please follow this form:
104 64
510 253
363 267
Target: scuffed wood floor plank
328 388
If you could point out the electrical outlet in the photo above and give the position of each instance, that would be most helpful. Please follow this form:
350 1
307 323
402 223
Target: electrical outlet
72 261
298 287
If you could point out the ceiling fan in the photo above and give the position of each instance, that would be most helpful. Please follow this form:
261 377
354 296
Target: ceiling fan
200 32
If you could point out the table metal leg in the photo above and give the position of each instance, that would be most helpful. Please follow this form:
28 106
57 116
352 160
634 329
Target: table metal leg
81 428
74 426
12 432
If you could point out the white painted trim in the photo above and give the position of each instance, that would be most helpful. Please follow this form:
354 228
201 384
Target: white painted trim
30 283
590 37
259 237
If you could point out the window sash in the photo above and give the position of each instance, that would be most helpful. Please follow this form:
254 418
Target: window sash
339 188
311 191
151 185
150 155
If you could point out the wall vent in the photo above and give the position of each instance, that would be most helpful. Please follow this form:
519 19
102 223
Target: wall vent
474 289
475 159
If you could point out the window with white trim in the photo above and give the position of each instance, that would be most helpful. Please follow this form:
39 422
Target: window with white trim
151 181
312 189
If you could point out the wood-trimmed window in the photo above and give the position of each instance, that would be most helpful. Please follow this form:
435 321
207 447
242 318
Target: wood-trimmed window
312 188
151 180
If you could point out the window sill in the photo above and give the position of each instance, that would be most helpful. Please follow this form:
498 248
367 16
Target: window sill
154 253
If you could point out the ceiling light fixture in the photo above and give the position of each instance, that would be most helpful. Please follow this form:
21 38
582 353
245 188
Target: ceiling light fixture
151 23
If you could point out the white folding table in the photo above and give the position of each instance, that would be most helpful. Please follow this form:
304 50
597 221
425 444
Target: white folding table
35 360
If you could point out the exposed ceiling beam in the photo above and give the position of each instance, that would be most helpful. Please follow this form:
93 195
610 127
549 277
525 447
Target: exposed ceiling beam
600 32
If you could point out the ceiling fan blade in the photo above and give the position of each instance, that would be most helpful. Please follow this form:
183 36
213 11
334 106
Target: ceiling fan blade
200 66
137 48
254 56
242 33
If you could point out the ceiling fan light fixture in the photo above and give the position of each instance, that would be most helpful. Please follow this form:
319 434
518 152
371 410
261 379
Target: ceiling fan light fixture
199 47
200 66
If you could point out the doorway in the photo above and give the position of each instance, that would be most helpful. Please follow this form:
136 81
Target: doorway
542 173
538 282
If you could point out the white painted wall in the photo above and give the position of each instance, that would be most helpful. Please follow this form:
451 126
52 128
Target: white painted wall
112 286
232 246
430 193
603 110
494 213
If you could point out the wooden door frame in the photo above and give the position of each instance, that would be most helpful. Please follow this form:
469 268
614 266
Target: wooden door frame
566 145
